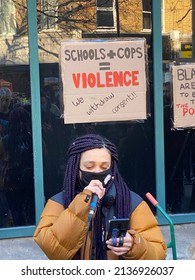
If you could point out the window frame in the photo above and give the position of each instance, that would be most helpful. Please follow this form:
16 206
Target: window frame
106 9
146 13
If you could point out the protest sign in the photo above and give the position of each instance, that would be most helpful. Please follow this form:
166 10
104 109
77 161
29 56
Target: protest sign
184 95
103 80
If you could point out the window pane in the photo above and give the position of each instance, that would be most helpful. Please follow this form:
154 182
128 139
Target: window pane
146 5
16 160
7 16
104 3
146 21
48 18
179 143
105 18
17 203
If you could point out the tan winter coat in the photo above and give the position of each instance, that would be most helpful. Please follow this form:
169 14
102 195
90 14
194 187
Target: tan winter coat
61 232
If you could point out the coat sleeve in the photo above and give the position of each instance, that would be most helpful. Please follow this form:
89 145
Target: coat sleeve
149 243
61 232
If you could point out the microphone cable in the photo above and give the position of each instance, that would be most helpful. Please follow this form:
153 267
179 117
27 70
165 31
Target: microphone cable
90 226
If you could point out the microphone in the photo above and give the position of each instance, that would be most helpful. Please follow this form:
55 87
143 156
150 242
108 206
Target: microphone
94 200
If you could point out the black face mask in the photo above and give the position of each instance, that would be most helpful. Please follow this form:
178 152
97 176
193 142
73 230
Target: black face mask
86 177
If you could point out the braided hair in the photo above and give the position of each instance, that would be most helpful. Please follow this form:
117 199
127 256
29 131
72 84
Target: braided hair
71 180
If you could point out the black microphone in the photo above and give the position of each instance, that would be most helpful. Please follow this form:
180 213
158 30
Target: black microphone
94 200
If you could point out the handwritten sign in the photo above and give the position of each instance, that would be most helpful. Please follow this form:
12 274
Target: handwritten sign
103 80
184 95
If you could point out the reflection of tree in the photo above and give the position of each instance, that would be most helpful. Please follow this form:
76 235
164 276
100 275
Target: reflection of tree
178 16
62 15
66 15
56 20
184 16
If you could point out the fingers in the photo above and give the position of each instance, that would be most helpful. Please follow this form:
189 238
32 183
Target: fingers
95 186
117 242
119 250
120 245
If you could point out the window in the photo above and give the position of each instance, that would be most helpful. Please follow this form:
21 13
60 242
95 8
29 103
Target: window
7 16
106 14
146 7
48 14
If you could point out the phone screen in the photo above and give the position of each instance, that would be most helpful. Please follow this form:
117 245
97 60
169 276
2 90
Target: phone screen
118 227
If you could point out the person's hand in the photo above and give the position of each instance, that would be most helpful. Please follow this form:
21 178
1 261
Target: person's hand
96 187
122 246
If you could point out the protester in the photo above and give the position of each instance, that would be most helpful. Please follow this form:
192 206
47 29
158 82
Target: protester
65 231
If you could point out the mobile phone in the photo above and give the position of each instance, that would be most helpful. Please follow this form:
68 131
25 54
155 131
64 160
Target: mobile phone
118 227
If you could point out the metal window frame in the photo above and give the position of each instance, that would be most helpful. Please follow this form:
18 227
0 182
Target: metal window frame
36 127
159 118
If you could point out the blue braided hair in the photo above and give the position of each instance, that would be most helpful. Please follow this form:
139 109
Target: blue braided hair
71 181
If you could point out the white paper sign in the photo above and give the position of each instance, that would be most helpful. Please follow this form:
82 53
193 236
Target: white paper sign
103 80
184 95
